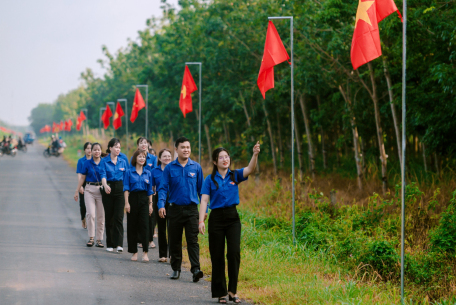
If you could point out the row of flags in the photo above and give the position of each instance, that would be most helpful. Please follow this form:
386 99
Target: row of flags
56 127
9 131
138 104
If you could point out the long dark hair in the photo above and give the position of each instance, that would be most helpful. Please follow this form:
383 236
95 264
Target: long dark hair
87 144
135 156
160 154
113 142
215 156
102 153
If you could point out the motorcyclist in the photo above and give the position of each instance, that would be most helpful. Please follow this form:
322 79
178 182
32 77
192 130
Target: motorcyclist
20 143
54 144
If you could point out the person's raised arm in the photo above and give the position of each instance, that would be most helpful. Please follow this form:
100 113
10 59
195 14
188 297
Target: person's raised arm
203 213
253 162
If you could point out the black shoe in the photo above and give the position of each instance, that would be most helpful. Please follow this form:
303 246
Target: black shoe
176 275
197 275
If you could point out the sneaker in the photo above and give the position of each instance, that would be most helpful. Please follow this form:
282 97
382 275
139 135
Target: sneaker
109 249
119 249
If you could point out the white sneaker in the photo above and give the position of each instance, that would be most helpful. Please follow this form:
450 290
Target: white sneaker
119 249
109 249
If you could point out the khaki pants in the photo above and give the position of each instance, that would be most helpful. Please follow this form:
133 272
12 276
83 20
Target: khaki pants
94 207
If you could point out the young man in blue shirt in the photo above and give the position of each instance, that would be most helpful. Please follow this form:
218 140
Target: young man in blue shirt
181 181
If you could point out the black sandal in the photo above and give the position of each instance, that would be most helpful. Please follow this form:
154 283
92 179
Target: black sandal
223 300
90 243
99 244
235 299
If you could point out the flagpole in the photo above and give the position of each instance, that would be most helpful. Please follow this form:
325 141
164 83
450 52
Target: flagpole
199 111
147 101
292 123
99 123
126 119
87 121
404 115
113 106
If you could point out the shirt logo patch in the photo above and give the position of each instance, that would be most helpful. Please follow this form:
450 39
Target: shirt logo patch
232 183
192 174
150 164
147 181
122 169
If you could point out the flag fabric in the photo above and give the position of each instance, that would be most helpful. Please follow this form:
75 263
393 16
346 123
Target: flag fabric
274 54
117 121
107 114
78 124
82 116
55 127
138 104
366 37
46 128
188 86
61 127
68 125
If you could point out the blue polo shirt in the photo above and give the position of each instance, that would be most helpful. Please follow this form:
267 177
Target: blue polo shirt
111 171
133 182
151 162
227 193
80 164
124 157
156 175
183 184
92 171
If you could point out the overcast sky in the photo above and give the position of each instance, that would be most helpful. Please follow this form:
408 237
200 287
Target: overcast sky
45 45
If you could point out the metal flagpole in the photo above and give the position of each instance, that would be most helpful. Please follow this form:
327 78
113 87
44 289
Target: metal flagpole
404 115
87 120
113 106
200 89
126 119
292 124
147 101
99 123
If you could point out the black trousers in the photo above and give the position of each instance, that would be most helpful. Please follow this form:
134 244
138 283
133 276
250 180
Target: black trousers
82 206
180 217
114 204
162 225
224 224
138 221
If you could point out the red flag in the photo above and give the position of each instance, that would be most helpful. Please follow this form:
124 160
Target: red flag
82 116
366 37
55 127
274 54
138 104
188 86
78 124
68 125
107 114
61 127
117 121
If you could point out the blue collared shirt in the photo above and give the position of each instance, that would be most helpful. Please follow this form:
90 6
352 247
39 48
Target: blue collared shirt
151 162
111 171
80 164
183 184
124 157
156 175
92 171
133 182
227 193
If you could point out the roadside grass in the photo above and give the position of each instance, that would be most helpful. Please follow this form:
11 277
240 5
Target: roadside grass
347 249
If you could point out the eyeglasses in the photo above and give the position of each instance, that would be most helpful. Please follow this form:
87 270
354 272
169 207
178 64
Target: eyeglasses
224 158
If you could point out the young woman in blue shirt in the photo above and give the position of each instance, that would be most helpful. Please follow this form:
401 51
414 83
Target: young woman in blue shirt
138 204
164 157
87 156
221 188
113 170
90 173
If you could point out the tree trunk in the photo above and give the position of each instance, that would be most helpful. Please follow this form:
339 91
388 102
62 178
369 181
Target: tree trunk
354 129
309 135
271 137
381 145
257 169
280 141
363 156
227 137
393 109
436 161
208 137
322 132
299 149
424 158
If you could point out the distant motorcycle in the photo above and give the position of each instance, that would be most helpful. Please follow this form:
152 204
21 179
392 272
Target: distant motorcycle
22 148
49 152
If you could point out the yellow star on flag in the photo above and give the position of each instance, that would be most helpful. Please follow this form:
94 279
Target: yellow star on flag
116 116
184 91
361 13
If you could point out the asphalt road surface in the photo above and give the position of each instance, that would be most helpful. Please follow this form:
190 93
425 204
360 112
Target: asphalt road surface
43 256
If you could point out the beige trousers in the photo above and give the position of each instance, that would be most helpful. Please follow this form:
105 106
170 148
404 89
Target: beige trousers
95 210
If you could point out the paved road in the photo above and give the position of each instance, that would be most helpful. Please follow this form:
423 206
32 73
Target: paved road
43 257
